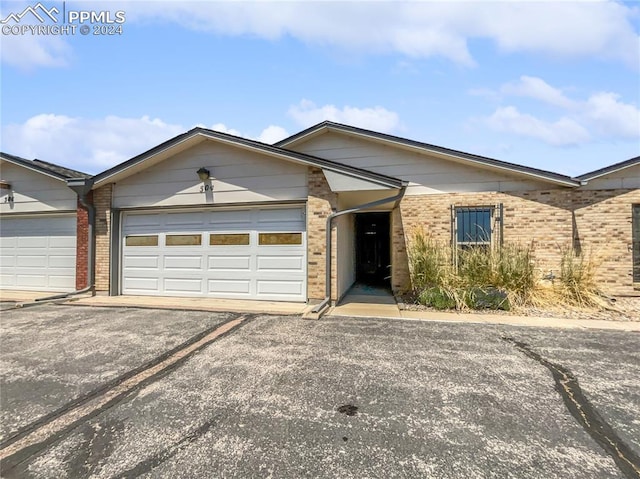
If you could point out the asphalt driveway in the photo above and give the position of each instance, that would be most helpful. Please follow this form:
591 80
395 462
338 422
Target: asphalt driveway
345 397
51 355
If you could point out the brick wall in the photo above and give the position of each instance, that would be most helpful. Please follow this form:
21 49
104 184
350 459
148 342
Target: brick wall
603 227
320 202
82 238
102 202
598 221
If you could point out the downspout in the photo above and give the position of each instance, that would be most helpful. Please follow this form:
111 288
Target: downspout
82 187
396 199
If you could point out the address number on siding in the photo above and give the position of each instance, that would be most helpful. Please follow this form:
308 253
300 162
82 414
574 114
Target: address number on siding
204 188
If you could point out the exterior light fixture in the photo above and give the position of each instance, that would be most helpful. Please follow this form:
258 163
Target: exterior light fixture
203 174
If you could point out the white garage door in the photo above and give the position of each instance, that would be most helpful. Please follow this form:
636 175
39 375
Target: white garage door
38 253
243 254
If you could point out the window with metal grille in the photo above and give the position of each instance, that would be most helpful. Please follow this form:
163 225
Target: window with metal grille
473 226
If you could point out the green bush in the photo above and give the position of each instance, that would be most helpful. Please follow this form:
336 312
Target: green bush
437 298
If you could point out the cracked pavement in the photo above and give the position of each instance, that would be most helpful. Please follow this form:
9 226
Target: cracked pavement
434 400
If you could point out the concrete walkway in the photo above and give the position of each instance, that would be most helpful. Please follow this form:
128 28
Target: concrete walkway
359 302
364 301
195 304
23 296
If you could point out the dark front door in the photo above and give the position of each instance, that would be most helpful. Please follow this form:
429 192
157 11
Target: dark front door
373 248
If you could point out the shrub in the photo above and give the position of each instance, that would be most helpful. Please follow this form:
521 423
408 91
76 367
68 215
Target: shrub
577 283
482 279
438 298
429 262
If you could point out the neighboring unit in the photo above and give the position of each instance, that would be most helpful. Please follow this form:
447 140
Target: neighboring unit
38 226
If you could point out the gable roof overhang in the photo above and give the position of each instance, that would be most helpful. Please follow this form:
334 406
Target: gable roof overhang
420 147
197 135
607 170
43 167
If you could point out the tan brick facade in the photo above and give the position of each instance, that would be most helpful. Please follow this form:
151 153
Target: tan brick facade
320 203
597 221
102 202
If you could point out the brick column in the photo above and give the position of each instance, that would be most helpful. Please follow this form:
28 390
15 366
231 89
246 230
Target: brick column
102 202
82 243
320 202
400 278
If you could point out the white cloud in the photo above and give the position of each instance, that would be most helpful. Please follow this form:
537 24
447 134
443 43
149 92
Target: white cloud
602 29
222 128
27 52
306 113
562 132
89 145
537 88
611 117
602 115
93 145
272 134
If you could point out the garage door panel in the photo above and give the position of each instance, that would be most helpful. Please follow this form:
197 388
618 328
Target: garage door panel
64 242
32 261
141 284
229 263
7 242
226 286
38 281
232 219
141 262
279 287
183 285
64 281
38 252
178 221
143 221
7 261
33 242
281 263
183 262
55 261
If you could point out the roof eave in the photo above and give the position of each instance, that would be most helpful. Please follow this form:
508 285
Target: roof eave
607 170
249 145
29 166
408 144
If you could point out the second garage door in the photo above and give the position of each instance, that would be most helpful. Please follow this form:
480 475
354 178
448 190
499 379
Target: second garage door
38 252
245 254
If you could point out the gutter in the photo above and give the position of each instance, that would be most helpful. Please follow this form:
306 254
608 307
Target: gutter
82 187
320 308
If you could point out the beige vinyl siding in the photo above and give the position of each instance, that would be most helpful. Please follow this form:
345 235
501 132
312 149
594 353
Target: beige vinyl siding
33 192
236 177
628 178
427 173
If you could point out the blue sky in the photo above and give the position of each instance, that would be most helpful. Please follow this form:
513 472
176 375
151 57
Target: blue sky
554 85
